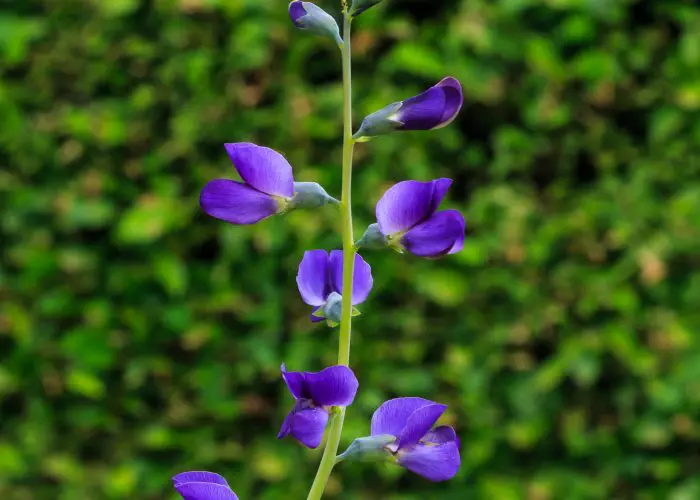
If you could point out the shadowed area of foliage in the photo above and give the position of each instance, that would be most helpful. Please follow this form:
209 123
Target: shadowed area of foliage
140 338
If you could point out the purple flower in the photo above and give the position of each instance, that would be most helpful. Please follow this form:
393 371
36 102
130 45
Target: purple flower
311 17
268 187
200 485
408 220
430 452
320 282
434 108
315 393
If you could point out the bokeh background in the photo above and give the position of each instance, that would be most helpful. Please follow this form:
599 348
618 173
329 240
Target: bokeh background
139 338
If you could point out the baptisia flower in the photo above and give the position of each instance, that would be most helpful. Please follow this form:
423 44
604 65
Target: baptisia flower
268 187
315 393
201 485
310 17
402 432
408 220
434 108
320 282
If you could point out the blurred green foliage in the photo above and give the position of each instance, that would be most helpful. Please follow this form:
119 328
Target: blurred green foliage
139 338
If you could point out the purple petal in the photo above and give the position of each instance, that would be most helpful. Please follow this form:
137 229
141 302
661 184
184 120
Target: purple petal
263 168
296 11
422 112
312 277
434 108
453 100
333 386
419 423
198 477
205 491
441 435
391 417
307 426
362 276
286 427
436 463
459 244
295 382
404 205
434 237
440 188
236 203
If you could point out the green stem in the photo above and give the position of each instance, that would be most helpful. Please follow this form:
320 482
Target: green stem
336 428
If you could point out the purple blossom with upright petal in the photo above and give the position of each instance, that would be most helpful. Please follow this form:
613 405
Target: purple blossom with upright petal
315 393
268 187
435 108
320 282
202 485
430 452
408 220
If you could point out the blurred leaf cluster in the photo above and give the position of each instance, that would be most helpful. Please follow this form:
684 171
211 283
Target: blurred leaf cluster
139 338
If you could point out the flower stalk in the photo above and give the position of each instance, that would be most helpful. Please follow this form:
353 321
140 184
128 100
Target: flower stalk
336 427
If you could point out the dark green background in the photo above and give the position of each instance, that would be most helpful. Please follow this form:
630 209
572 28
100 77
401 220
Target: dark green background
139 338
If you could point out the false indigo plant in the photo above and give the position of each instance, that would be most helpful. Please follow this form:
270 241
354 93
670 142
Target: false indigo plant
402 430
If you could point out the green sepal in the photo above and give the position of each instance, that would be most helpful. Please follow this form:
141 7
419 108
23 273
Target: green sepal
369 449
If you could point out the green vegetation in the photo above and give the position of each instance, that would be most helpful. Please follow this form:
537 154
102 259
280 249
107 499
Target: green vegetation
139 338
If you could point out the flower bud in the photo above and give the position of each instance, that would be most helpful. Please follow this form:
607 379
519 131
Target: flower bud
310 195
372 239
359 6
369 449
311 17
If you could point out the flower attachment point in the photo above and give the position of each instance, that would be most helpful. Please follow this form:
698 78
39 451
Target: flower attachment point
201 485
320 282
310 17
435 108
408 221
315 394
430 452
310 195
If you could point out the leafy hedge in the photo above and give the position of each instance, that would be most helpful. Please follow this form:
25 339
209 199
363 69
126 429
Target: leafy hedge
139 338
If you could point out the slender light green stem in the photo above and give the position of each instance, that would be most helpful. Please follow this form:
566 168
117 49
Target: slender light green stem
336 428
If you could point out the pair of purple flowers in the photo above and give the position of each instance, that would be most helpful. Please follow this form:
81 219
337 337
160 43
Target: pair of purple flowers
402 431
407 214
